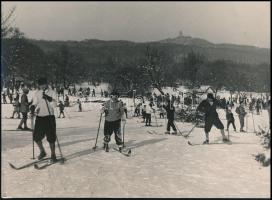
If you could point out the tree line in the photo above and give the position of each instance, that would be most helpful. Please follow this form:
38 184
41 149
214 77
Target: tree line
152 66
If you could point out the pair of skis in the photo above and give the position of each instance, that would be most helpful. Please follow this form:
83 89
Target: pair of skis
38 164
210 143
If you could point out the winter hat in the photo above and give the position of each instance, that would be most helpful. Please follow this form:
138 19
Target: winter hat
114 92
25 90
210 96
42 81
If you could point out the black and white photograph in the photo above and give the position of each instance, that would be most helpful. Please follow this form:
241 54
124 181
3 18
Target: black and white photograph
135 99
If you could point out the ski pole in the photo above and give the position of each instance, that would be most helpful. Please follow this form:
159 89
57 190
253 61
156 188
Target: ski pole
190 130
32 126
124 134
98 131
246 122
62 158
177 128
155 118
253 122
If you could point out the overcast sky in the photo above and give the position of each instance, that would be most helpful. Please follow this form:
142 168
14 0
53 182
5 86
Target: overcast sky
221 22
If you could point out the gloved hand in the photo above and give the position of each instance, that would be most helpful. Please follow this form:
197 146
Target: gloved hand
46 97
32 109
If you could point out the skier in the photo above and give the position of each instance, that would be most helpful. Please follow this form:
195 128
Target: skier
148 111
170 109
240 110
45 124
93 93
61 109
137 110
16 108
4 97
258 106
114 111
24 109
66 102
230 119
208 106
144 113
79 105
125 109
161 111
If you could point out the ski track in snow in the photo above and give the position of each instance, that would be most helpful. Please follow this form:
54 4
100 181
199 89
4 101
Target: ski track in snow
159 166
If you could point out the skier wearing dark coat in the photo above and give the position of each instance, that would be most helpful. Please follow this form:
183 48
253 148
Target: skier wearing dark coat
240 110
170 109
24 109
208 106
61 109
230 119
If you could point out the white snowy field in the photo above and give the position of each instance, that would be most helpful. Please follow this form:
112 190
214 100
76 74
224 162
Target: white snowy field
160 165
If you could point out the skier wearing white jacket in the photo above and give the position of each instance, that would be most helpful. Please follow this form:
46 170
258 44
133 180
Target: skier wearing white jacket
44 101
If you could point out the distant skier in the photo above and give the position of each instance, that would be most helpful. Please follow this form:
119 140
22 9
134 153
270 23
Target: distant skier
66 102
170 109
161 112
230 119
4 97
125 109
114 111
45 124
16 108
144 113
79 105
24 109
61 109
148 111
258 106
208 106
240 110
93 93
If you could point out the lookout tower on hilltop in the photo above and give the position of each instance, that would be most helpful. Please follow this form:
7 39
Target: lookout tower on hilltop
180 33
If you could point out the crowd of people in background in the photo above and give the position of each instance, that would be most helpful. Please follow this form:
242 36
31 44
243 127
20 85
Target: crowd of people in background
18 97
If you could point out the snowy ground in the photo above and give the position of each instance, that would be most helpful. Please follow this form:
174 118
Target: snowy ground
160 165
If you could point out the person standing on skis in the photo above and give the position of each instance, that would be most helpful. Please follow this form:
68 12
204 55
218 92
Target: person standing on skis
114 112
45 124
170 109
208 106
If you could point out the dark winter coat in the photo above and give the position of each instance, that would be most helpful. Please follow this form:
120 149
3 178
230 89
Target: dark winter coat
170 109
240 111
24 105
230 117
61 107
208 109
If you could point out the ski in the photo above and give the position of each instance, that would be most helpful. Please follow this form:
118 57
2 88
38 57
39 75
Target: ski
27 165
60 160
194 144
30 130
127 153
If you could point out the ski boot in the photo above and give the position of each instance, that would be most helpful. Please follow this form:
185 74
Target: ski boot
174 133
106 147
206 142
226 140
53 159
120 148
27 129
42 155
